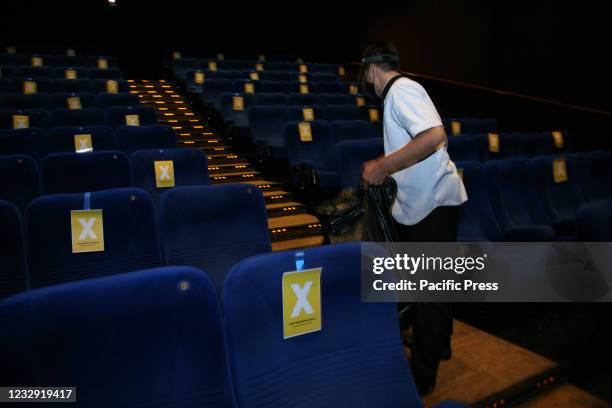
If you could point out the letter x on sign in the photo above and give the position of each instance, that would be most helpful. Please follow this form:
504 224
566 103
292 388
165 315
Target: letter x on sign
87 229
302 299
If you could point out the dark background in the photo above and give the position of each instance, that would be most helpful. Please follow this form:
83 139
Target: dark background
547 48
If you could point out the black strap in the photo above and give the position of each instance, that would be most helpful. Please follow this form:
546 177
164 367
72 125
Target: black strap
388 86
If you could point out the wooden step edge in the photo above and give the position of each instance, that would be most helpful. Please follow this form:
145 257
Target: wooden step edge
275 193
292 221
274 206
297 243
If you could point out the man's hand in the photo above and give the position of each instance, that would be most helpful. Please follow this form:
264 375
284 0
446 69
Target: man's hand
373 173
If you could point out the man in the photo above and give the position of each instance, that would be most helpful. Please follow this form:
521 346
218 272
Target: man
429 190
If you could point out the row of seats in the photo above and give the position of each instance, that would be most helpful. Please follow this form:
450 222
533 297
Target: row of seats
57 60
211 89
492 146
194 78
178 343
35 85
153 170
197 77
37 143
27 71
209 227
220 56
234 107
267 123
44 118
460 126
514 199
181 66
66 100
532 200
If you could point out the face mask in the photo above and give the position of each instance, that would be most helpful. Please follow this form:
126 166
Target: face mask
364 85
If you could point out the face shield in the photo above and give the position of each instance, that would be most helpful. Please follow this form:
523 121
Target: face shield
362 77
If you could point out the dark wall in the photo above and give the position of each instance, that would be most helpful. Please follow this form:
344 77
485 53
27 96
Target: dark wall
546 48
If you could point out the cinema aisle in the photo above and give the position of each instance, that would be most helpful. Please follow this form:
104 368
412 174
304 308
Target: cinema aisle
289 225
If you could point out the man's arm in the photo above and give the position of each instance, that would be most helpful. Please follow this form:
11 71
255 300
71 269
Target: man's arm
423 145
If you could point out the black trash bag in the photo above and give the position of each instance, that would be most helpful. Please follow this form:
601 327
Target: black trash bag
360 215
340 214
379 225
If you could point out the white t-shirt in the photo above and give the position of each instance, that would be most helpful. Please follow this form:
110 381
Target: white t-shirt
431 183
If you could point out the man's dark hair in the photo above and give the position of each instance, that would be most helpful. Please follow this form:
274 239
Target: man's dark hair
383 48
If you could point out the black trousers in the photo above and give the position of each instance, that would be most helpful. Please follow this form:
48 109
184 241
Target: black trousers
432 323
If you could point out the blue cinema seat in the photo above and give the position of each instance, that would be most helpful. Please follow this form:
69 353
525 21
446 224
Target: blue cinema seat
26 71
342 130
17 84
279 86
147 338
12 251
190 79
118 115
57 60
350 156
21 180
335 99
332 87
322 77
517 202
92 61
267 124
343 112
238 116
318 154
30 142
61 72
352 99
131 237
561 199
105 100
229 74
213 227
25 101
471 126
462 148
72 85
78 117
62 139
477 222
181 66
189 167
567 144
37 118
62 100
302 99
132 138
596 174
100 85
262 99
238 85
107 73
297 113
594 222
356 359
506 149
81 172
212 88
278 76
